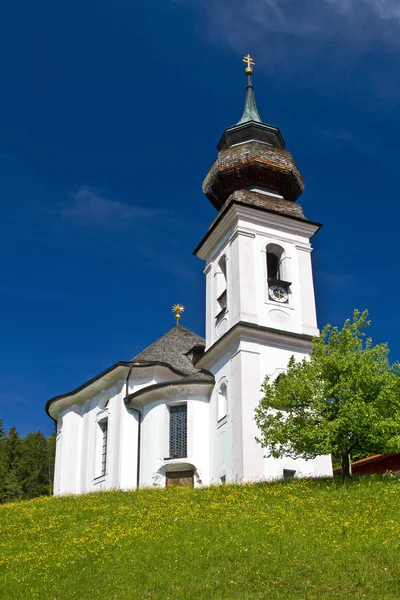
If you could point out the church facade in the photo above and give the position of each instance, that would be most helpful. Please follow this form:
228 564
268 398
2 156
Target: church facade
182 411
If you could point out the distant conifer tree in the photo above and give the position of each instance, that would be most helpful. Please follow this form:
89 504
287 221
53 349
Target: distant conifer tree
51 452
34 465
13 449
12 487
3 460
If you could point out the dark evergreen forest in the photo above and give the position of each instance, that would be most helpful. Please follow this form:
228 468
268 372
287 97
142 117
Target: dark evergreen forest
26 464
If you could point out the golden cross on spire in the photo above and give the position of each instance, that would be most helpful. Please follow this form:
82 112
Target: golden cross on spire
250 64
178 309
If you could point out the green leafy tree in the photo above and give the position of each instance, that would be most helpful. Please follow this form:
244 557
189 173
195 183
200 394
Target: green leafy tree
34 465
344 400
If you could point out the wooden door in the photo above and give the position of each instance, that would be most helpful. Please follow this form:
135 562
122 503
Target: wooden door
181 478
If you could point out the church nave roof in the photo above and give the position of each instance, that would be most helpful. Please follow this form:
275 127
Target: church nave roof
179 348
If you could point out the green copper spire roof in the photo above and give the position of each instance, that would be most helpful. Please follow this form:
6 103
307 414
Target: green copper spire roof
250 128
250 112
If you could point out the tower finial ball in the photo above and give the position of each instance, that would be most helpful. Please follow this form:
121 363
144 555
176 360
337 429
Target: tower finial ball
178 309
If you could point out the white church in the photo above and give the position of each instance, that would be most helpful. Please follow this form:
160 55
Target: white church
182 411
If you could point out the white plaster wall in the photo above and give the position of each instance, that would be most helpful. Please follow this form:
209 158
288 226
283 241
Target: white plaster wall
58 459
245 366
299 314
214 332
221 433
243 236
68 444
155 434
273 360
198 437
128 445
78 447
84 448
244 244
89 459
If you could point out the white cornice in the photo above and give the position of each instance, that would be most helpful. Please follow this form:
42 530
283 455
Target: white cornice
283 223
248 332
304 248
256 217
241 231
82 394
110 378
172 391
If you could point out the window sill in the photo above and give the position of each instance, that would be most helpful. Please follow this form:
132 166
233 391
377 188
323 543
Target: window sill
275 281
174 457
221 314
99 480
103 413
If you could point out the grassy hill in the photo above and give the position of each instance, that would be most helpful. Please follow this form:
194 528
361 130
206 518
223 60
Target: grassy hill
301 539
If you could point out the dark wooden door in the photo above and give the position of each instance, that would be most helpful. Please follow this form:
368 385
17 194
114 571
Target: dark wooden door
181 478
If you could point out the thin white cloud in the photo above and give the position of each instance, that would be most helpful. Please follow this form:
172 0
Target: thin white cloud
89 210
88 207
242 24
385 9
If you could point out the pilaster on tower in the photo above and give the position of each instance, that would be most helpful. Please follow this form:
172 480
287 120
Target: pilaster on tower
257 250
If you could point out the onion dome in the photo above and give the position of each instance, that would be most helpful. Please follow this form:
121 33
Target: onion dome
252 156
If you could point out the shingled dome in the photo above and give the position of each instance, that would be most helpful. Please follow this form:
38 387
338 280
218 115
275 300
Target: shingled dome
178 348
252 155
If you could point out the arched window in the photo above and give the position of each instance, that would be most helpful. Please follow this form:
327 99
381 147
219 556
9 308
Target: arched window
278 274
222 400
275 263
101 448
221 287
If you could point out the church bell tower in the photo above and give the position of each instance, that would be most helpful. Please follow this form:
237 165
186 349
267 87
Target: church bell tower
260 304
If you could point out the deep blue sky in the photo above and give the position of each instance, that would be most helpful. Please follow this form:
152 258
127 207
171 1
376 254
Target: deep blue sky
110 113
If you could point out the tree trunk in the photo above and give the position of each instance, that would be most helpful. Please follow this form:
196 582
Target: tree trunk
346 465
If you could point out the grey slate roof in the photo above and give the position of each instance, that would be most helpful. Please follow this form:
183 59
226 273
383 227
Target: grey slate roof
172 348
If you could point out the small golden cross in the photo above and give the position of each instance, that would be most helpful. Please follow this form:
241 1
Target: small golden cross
250 62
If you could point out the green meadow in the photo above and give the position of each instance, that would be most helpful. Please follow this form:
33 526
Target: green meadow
306 539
